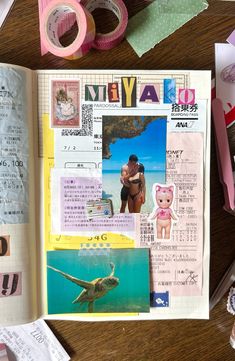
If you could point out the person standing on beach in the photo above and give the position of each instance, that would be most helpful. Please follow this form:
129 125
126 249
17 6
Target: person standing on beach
128 170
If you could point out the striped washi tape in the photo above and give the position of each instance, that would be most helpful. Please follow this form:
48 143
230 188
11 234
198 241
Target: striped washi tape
109 40
53 15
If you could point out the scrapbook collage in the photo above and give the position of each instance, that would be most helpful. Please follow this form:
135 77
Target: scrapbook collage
115 198
127 193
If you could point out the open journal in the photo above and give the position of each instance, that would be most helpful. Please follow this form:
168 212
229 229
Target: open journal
104 202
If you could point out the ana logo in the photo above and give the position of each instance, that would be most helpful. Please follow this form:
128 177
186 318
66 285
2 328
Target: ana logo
184 125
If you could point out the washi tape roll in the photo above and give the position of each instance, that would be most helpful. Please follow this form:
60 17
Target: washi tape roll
109 40
52 17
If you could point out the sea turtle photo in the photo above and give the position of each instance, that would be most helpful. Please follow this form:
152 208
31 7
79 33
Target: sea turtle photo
93 290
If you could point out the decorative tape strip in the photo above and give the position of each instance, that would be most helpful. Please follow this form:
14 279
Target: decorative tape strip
52 26
109 40
94 252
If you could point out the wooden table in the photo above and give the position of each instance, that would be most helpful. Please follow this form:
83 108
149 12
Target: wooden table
191 47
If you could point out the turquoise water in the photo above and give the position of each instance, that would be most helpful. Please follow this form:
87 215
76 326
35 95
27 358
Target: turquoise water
131 267
112 187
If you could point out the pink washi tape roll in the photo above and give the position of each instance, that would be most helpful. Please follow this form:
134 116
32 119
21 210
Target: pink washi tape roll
109 40
52 17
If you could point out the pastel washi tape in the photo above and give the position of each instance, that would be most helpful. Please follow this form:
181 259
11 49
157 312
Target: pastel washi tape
99 208
109 40
51 19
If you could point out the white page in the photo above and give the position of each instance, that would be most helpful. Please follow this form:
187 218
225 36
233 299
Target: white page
18 286
180 307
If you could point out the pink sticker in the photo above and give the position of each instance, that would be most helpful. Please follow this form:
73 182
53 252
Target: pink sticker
163 215
10 284
187 96
65 102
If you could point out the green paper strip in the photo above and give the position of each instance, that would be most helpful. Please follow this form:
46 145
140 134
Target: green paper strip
159 20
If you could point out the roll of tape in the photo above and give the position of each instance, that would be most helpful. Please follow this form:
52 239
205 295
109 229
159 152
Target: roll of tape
109 40
52 17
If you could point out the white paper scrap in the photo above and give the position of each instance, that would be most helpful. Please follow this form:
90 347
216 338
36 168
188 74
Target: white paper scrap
32 342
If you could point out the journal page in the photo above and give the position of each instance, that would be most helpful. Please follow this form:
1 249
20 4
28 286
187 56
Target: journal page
18 284
125 193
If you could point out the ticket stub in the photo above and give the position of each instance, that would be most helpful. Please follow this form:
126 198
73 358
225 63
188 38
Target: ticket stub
99 208
33 341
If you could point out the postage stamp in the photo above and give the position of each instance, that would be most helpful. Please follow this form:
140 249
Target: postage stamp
65 104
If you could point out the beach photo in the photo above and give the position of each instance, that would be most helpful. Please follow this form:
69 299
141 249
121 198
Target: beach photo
134 158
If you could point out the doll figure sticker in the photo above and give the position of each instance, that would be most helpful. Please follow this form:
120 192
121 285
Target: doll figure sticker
163 214
65 104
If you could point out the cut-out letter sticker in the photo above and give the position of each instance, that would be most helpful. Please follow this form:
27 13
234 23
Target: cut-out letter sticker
4 246
10 284
187 96
95 93
113 93
129 92
149 93
169 91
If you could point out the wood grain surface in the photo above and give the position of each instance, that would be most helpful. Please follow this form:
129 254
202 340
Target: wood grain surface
191 47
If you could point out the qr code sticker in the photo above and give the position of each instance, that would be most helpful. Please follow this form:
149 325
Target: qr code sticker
87 123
